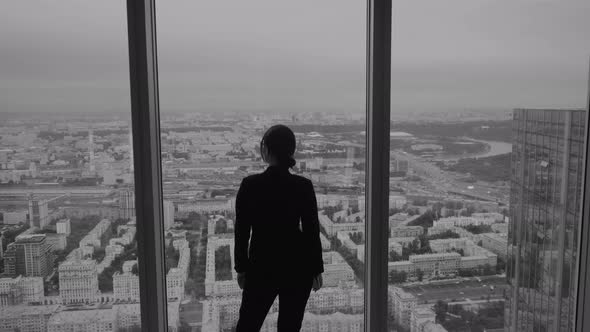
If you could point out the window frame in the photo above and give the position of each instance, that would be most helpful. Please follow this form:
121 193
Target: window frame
148 174
378 110
145 118
582 313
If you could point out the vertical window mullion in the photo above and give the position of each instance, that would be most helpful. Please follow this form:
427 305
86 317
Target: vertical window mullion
145 116
377 176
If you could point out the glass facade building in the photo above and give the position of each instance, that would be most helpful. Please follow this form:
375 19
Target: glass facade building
545 216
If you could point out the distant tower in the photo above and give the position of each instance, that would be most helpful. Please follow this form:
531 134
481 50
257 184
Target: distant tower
349 164
131 150
127 203
38 212
91 150
168 213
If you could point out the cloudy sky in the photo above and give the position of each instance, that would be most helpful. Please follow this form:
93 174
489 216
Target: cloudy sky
304 55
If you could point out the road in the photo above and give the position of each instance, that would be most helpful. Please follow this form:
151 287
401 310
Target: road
445 184
459 289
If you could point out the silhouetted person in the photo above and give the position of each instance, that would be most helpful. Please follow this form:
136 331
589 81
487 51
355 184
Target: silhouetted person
283 255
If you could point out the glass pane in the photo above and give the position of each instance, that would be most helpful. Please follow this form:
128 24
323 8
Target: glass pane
228 71
486 164
66 173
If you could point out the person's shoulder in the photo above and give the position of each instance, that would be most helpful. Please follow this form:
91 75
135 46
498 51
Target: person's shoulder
301 180
251 178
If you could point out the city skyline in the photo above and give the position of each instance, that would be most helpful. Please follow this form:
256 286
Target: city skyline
487 141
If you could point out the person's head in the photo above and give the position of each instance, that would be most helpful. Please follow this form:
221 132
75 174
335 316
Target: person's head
278 146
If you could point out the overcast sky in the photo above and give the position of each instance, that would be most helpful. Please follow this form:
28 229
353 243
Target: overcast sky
303 55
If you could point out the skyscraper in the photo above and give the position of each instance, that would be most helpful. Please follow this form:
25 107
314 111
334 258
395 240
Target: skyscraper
38 213
127 203
545 215
30 256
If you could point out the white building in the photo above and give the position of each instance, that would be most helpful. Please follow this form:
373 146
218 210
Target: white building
207 206
474 256
213 286
126 286
496 243
406 231
21 289
437 264
432 265
464 221
168 209
31 288
26 318
63 226
175 284
336 298
15 217
78 281
333 228
420 318
326 245
497 217
402 305
336 270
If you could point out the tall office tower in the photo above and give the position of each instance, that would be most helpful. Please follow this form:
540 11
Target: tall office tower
92 168
127 203
38 213
30 256
78 281
545 203
168 214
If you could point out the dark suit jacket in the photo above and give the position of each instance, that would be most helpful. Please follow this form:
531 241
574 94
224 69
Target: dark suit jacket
281 210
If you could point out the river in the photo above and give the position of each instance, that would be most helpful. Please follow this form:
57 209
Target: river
494 148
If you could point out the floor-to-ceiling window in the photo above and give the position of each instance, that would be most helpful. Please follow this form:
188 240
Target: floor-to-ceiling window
487 140
228 71
68 249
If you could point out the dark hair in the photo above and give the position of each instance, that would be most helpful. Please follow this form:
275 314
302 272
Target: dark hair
280 141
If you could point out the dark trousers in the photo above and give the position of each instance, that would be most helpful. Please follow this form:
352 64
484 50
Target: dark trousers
258 296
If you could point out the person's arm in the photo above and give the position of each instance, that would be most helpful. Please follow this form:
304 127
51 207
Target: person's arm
242 231
311 229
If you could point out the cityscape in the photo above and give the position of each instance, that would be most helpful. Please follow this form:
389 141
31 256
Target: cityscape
488 108
457 259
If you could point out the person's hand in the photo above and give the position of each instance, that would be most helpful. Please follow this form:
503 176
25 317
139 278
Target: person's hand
317 282
241 279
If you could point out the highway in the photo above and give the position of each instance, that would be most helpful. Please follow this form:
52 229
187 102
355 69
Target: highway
446 183
461 289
